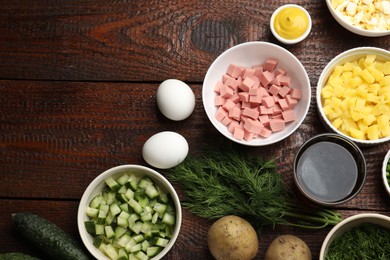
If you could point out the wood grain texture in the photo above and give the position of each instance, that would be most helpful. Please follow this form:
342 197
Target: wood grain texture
134 41
78 83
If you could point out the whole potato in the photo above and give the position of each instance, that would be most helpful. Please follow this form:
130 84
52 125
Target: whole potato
232 237
288 247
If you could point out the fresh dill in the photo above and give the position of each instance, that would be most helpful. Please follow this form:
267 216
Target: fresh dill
228 182
364 242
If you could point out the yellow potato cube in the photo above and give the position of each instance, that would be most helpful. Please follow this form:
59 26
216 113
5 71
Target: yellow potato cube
360 104
354 82
355 133
357 71
372 132
385 81
369 60
384 124
378 75
337 123
356 116
338 91
366 75
348 66
385 68
369 119
362 126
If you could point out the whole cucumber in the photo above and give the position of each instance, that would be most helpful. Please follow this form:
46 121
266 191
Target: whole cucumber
48 237
16 256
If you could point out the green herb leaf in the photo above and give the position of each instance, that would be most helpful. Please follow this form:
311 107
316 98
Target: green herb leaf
229 182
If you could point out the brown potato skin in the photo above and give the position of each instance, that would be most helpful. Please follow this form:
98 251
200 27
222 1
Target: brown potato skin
288 247
232 238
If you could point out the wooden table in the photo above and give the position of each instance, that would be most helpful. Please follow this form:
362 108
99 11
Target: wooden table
78 83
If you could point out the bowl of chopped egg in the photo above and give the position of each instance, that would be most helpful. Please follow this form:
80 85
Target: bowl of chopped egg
353 95
369 18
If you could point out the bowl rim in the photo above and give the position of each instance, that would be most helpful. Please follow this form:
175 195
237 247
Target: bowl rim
384 178
358 219
264 141
353 28
348 142
328 69
156 176
290 41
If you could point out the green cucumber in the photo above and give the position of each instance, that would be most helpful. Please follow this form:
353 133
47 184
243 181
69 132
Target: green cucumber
48 237
17 256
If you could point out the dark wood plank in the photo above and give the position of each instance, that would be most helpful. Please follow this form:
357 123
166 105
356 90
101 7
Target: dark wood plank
133 41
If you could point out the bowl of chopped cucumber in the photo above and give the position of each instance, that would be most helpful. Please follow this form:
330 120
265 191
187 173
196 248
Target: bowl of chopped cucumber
129 211
353 94
386 172
361 236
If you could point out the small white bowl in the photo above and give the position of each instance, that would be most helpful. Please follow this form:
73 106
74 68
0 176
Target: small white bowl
343 21
346 56
96 186
349 223
248 54
386 183
281 38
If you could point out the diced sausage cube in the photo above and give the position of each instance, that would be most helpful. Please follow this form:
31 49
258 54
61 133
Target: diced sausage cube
232 125
232 83
291 102
265 78
270 64
264 119
268 101
249 112
228 104
238 133
265 110
234 71
226 92
289 115
255 100
253 126
296 93
265 132
248 72
280 71
283 104
274 89
248 135
221 114
218 86
226 120
246 84
219 101
277 125
235 113
284 91
235 98
284 80
244 96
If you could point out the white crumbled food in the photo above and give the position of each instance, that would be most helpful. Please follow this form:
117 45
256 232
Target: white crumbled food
366 14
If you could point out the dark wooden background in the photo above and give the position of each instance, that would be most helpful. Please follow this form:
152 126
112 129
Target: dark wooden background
78 81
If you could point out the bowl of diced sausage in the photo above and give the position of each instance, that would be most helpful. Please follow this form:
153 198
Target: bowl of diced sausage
256 93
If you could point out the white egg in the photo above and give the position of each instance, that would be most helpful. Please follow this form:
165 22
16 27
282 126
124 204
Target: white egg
175 99
165 150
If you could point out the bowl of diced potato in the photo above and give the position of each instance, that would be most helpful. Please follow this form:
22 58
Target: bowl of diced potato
353 95
367 18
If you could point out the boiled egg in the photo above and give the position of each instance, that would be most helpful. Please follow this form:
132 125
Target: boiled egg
165 149
175 99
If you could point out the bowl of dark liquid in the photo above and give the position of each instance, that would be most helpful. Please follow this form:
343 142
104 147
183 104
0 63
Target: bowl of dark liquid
329 169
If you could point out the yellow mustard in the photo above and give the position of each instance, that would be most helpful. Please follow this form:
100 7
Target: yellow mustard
291 23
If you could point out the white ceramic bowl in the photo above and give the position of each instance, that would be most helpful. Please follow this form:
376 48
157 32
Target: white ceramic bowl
346 56
349 223
343 21
96 186
248 54
386 160
281 38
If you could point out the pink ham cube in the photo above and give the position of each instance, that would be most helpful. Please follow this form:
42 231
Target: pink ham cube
234 71
270 64
277 125
238 133
289 115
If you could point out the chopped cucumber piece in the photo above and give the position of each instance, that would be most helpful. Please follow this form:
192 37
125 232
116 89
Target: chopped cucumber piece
132 218
112 184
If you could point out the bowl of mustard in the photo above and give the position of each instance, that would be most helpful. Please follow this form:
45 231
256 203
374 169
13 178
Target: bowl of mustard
290 23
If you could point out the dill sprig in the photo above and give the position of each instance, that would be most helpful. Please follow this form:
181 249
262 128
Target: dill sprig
228 182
